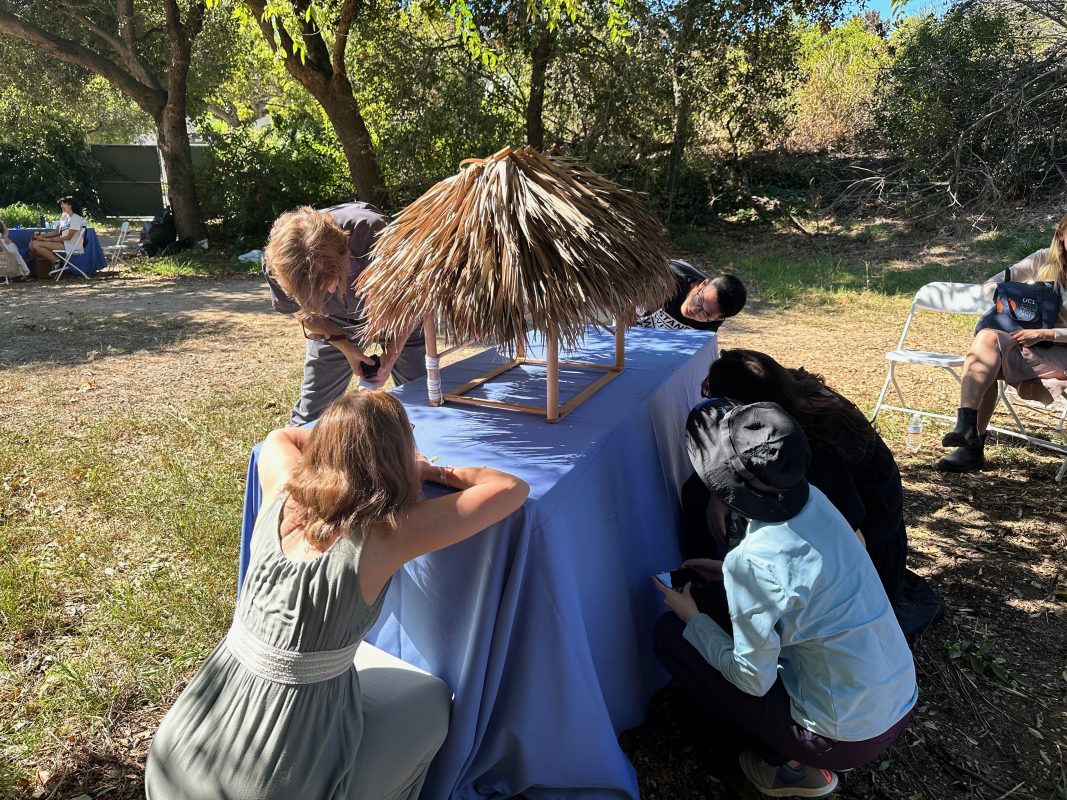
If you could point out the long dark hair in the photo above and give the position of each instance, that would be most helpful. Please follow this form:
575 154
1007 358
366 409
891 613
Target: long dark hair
832 423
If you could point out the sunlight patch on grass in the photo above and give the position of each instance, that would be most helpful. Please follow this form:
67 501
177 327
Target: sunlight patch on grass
1012 245
195 262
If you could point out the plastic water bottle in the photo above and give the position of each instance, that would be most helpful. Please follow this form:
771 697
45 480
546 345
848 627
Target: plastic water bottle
915 433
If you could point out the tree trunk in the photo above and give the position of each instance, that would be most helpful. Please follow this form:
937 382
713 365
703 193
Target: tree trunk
680 133
540 57
338 101
321 71
178 162
173 133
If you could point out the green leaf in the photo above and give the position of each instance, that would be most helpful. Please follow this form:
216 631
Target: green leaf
1019 679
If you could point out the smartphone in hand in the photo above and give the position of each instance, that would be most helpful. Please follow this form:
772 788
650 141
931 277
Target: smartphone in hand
677 578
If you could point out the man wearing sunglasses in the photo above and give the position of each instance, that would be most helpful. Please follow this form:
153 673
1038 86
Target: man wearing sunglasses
700 303
311 264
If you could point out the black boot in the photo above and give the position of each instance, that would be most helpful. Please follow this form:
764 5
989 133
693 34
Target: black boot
967 458
965 434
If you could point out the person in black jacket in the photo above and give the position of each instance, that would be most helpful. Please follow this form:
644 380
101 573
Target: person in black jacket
850 464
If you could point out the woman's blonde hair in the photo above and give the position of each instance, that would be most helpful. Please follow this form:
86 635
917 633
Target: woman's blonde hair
359 467
306 251
1055 269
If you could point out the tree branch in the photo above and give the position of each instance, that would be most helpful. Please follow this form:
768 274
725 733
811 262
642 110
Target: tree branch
278 38
125 19
314 43
150 98
344 26
124 50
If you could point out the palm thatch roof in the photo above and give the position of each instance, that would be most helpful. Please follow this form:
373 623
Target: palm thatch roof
520 233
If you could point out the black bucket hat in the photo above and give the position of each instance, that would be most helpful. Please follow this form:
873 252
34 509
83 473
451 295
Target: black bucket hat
753 457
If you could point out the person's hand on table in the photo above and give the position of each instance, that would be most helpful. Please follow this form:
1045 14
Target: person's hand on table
708 568
681 603
452 477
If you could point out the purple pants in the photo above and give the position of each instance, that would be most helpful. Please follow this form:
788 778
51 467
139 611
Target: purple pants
766 718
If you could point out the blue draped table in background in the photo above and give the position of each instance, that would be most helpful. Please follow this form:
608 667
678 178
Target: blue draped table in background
542 624
90 261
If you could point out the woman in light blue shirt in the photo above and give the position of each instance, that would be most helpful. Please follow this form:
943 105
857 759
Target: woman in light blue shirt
807 655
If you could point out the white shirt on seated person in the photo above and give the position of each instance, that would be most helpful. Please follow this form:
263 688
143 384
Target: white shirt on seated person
74 222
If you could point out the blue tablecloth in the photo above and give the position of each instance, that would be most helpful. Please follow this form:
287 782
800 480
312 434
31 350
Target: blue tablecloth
90 261
542 624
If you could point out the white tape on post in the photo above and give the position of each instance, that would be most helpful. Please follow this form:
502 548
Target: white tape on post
433 381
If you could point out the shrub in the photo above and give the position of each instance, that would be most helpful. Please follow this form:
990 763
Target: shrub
974 103
835 96
26 215
248 177
43 158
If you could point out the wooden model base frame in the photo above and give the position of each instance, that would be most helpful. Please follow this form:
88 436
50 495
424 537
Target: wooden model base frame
552 410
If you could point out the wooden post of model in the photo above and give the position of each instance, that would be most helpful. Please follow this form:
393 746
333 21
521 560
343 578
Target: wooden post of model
552 409
552 368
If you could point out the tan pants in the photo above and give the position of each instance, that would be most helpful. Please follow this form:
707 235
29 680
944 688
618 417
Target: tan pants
405 719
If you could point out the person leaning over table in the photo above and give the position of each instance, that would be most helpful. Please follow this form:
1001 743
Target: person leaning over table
311 263
850 464
805 655
280 710
699 302
48 244
1036 373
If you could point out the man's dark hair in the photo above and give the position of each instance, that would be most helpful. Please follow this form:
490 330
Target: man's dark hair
730 294
75 206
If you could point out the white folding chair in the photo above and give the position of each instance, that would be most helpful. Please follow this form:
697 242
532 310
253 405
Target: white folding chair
954 298
65 257
114 252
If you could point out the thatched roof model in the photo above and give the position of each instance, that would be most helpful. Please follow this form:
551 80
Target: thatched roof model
518 233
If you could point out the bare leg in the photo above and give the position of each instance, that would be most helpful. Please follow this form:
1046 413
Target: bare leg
981 370
42 250
978 397
986 406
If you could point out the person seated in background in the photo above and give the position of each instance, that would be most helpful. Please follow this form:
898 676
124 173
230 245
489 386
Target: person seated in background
12 264
49 244
804 654
281 710
700 303
1037 372
850 464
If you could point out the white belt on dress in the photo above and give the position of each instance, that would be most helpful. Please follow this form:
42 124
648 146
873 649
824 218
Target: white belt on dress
286 666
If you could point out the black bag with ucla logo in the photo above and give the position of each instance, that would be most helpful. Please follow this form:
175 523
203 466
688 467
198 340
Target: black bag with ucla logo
1018 305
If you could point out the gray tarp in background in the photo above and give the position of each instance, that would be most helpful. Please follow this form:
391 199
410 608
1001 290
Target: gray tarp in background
133 180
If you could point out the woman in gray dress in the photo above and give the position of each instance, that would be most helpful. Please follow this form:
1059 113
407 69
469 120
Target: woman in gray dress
291 704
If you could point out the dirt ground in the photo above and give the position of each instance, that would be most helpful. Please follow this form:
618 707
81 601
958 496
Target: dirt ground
992 544
78 349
